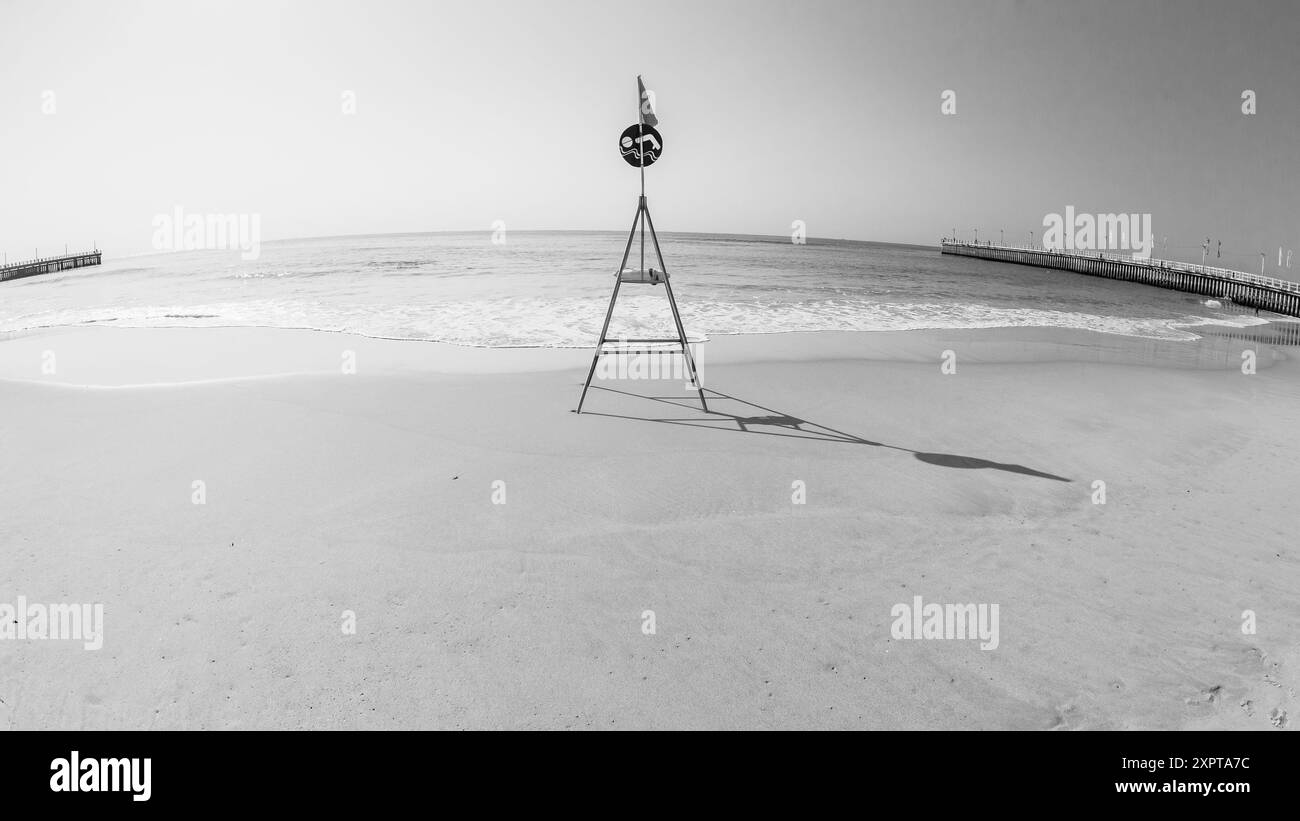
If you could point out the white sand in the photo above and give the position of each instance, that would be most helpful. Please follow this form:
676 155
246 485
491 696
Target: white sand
372 492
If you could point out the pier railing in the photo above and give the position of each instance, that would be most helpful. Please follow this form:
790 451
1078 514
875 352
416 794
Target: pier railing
45 265
1252 290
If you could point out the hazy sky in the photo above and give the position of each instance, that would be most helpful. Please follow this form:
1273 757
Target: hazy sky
827 112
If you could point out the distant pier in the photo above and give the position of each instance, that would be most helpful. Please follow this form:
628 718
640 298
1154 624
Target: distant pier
1251 290
48 265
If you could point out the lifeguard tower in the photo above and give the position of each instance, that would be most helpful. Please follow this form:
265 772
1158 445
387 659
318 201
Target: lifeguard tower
641 146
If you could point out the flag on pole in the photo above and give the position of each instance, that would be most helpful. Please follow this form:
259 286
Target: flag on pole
646 102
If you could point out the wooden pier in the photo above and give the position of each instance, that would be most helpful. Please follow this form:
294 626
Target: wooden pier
48 265
1251 290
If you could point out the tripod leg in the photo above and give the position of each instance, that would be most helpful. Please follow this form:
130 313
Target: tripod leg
595 357
677 317
604 329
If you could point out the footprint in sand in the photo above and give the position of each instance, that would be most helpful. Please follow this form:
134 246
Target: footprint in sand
1067 717
1207 696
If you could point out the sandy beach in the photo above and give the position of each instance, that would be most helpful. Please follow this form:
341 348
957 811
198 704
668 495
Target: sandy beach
500 553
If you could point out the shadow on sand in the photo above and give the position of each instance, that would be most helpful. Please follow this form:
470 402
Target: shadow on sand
776 423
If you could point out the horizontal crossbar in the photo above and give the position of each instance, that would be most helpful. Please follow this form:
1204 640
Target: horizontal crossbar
634 276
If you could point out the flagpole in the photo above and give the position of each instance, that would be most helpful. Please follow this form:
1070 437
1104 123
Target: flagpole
640 132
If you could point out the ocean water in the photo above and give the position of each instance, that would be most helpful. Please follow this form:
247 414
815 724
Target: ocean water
551 289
